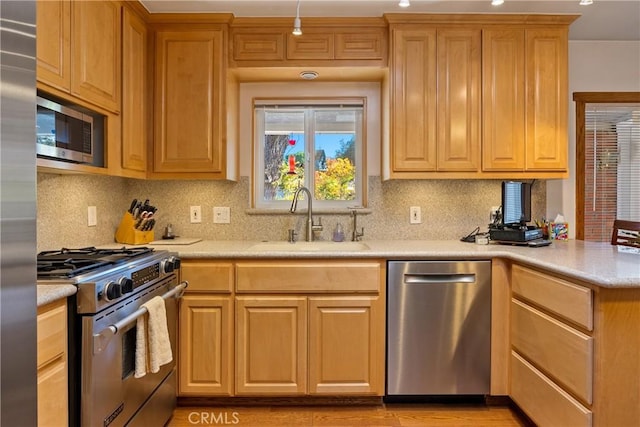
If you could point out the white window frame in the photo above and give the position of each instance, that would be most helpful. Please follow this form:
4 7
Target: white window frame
308 105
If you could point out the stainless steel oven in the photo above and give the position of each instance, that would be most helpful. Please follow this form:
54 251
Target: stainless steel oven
103 388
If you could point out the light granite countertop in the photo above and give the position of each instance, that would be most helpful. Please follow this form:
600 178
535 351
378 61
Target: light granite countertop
597 263
50 293
600 264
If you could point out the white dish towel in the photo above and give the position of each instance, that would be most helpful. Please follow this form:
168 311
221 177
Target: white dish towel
153 347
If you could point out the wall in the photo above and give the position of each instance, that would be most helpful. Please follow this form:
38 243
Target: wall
594 66
450 209
62 209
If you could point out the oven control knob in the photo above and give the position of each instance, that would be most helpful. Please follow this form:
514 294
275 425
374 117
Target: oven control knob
112 290
126 285
176 263
167 266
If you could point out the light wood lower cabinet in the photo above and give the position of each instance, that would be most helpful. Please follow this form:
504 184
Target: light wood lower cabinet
52 364
205 364
346 339
335 344
574 351
205 338
271 354
546 403
552 362
282 328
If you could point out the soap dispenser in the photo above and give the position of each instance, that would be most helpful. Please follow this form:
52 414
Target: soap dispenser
338 233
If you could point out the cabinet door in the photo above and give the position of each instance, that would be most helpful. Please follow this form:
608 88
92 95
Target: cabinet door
413 100
53 43
360 44
346 345
134 92
271 340
205 346
52 364
503 111
459 68
188 101
95 31
310 45
546 107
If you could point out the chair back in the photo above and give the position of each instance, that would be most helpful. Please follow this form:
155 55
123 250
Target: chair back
626 233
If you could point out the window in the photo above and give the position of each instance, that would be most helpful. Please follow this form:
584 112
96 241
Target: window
317 145
608 162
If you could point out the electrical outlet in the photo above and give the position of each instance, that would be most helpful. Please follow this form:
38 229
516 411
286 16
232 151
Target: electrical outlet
195 214
415 215
221 215
92 216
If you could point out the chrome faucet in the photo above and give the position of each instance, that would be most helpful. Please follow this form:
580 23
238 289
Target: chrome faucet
311 227
355 234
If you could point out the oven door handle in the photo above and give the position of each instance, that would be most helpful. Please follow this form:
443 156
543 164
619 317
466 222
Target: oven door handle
101 340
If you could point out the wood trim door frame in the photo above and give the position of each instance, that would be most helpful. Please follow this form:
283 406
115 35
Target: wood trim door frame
581 99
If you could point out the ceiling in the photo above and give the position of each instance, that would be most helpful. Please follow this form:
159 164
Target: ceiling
603 20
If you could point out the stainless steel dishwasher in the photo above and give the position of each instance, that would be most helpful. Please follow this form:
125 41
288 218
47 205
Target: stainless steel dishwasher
438 328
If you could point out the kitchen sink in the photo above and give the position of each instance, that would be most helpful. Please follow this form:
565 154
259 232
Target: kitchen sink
319 246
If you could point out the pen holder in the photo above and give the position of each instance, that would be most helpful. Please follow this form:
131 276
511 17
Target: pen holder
127 233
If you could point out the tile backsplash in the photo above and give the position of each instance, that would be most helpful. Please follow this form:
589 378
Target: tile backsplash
450 209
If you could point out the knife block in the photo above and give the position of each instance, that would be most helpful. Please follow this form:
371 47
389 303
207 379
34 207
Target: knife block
127 233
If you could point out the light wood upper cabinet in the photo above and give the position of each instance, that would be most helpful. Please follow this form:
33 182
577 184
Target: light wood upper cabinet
95 62
459 85
497 106
53 43
134 92
52 364
189 113
78 49
413 99
310 45
435 79
268 42
503 105
547 101
525 100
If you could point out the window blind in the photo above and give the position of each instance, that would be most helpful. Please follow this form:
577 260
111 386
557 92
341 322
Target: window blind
612 167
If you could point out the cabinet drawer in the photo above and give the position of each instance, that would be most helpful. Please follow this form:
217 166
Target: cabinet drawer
208 276
573 302
311 276
563 352
52 332
542 400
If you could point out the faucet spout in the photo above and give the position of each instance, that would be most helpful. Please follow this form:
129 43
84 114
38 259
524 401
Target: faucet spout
311 227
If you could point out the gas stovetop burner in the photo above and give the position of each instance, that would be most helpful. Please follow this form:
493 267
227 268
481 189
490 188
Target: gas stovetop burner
68 263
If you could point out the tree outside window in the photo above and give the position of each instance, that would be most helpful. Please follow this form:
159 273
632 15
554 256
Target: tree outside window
317 147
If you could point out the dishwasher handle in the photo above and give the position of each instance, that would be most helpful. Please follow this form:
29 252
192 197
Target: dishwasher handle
434 278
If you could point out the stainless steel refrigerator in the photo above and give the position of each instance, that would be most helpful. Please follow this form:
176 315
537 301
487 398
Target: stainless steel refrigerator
18 389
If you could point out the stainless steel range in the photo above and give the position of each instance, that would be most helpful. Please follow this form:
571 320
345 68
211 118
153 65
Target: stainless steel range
112 286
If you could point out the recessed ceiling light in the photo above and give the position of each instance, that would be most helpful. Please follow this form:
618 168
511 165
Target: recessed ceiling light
496 2
404 3
586 2
308 75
